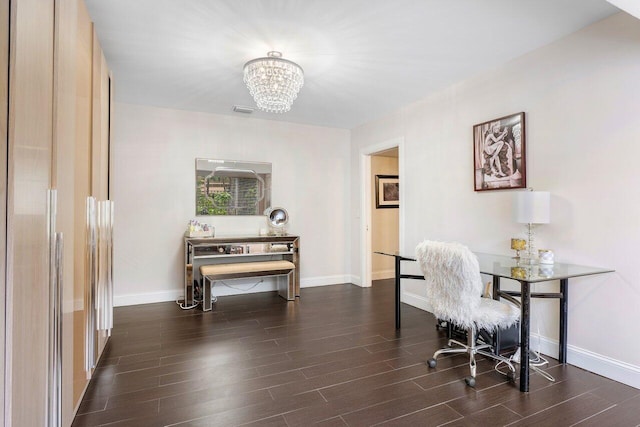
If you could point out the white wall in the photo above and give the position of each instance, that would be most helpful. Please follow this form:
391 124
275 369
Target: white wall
153 186
581 96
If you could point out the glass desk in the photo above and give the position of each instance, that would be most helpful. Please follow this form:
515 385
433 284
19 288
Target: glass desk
501 266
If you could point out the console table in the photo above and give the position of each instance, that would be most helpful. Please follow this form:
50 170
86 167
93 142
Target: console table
199 251
500 266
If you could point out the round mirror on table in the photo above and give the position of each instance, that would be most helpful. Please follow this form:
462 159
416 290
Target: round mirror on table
277 219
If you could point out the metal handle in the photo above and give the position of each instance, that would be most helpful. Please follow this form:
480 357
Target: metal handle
90 279
54 392
99 277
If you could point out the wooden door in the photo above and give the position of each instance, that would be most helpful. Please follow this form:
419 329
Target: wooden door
29 178
47 131
82 190
100 148
4 107
73 138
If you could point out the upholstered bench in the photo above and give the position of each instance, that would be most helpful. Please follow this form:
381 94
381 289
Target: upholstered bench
239 270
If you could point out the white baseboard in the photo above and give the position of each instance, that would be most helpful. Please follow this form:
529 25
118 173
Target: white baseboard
416 300
602 365
221 290
623 372
310 282
356 280
146 298
383 274
593 362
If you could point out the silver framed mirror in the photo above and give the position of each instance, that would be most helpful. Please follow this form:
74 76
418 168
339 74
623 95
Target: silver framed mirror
232 187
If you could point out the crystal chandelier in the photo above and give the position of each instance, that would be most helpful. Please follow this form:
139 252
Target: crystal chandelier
273 82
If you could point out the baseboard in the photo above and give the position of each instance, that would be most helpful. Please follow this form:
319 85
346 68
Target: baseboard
310 282
602 365
355 280
146 298
383 274
221 290
416 300
607 367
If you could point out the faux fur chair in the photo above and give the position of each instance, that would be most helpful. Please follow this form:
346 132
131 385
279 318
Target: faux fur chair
455 287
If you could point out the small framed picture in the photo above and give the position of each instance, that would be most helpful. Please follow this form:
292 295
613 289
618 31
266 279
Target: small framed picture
387 191
499 154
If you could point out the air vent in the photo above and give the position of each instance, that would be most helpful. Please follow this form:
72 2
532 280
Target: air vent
242 109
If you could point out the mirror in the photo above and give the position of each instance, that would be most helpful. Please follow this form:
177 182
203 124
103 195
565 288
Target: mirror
230 187
277 218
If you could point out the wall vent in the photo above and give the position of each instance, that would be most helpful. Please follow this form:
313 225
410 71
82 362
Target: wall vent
242 109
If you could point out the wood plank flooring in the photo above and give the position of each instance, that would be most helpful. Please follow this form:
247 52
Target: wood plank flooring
333 358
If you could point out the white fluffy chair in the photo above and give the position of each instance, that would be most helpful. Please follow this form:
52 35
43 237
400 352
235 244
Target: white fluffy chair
455 287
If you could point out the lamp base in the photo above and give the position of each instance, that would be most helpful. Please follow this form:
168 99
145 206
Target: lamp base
529 260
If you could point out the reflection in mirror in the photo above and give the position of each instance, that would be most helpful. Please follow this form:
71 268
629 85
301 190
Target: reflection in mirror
229 187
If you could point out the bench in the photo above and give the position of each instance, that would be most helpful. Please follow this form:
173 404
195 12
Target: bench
238 270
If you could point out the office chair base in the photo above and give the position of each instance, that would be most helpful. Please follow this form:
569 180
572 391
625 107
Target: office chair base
471 381
472 348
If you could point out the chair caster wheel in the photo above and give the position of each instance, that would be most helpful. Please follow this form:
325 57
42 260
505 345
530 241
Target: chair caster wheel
432 362
471 382
511 376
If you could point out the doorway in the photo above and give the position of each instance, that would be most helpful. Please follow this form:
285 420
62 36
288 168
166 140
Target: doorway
381 224
385 219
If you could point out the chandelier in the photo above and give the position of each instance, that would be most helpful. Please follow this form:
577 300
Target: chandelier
273 82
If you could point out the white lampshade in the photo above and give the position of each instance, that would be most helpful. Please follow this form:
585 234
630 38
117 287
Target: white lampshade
532 207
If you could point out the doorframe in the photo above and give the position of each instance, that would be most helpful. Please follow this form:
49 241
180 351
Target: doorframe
366 200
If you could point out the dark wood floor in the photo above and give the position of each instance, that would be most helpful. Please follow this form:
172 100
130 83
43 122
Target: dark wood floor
333 358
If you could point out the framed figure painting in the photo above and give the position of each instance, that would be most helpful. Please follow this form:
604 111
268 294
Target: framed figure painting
499 154
387 191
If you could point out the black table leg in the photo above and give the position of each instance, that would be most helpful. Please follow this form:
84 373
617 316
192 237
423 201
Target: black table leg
496 287
564 310
525 315
397 292
496 335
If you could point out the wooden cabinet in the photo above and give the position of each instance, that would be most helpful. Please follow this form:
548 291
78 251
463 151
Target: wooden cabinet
29 177
4 123
54 127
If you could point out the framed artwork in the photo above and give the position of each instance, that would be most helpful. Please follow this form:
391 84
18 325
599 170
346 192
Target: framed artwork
387 191
499 154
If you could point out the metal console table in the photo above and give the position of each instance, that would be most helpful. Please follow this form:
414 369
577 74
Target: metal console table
236 249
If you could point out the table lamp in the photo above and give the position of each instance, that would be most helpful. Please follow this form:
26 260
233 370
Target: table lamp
531 207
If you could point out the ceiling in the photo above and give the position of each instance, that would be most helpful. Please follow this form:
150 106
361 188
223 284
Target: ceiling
362 58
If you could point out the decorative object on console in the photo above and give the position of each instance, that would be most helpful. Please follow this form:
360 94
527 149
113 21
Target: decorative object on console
273 82
519 272
277 219
531 207
499 154
518 245
546 270
387 191
197 229
545 256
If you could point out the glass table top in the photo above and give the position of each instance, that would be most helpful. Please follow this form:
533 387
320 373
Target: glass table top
521 269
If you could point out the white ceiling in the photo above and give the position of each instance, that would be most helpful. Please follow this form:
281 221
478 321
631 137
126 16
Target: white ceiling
362 58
